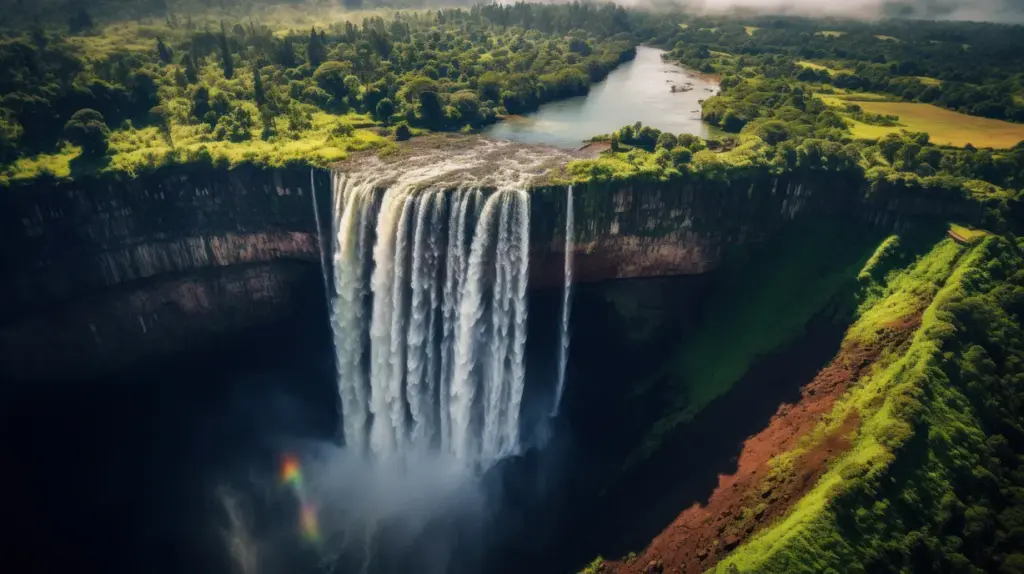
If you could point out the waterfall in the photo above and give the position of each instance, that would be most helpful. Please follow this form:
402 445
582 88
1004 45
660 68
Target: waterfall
429 312
319 230
563 350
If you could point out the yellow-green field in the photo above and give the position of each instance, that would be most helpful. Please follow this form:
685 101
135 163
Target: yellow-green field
966 234
928 81
751 29
944 126
845 97
813 66
886 38
831 34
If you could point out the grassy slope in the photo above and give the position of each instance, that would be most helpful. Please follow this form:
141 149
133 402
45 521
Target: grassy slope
900 498
945 127
770 294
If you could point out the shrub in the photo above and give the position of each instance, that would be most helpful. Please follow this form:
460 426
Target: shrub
87 129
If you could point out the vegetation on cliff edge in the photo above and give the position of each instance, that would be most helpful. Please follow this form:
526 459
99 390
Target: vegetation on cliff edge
933 482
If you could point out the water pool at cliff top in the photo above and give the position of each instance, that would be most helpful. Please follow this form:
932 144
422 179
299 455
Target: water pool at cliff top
639 90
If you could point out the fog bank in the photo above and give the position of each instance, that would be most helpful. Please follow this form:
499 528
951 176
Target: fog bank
1004 11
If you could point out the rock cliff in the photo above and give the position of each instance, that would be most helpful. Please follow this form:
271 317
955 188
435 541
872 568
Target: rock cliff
102 273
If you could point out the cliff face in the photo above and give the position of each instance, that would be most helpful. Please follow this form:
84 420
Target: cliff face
655 229
100 274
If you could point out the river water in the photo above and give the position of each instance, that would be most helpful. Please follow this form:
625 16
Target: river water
639 90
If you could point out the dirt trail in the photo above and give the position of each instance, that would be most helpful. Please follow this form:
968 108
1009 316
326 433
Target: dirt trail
748 499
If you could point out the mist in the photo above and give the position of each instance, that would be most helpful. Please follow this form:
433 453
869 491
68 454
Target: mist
1004 11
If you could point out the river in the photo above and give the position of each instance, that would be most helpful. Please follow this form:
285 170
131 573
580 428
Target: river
638 90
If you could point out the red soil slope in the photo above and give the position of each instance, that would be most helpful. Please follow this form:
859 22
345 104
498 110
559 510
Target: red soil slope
749 499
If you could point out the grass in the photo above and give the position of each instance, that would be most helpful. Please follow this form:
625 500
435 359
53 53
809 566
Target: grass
945 127
810 516
886 38
928 81
969 235
767 300
853 97
830 34
595 567
863 131
751 29
808 539
56 164
813 66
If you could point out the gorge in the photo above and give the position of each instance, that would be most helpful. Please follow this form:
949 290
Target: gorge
112 275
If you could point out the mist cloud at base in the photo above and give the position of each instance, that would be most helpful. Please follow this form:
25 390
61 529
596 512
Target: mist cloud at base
419 508
427 514
1005 11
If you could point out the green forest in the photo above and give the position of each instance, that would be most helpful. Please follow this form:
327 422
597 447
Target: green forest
93 92
184 87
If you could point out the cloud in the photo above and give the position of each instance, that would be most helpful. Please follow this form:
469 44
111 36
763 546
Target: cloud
979 10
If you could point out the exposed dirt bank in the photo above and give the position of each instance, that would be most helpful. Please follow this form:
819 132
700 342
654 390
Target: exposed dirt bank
750 497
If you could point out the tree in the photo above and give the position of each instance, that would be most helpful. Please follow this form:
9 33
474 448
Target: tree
352 87
489 86
773 132
330 76
81 21
257 87
315 51
190 69
385 108
236 125
200 102
431 109
161 118
225 51
666 141
615 141
87 129
163 51
38 35
10 132
467 105
681 155
890 145
286 52
402 132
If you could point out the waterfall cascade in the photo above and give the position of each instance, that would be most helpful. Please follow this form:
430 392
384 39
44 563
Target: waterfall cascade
429 311
563 350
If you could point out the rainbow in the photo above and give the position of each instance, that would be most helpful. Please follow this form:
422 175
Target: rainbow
291 476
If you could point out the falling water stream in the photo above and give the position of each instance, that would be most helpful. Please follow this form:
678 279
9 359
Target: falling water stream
563 350
429 312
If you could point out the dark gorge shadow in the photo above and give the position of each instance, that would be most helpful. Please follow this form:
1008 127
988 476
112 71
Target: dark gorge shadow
685 469
146 470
